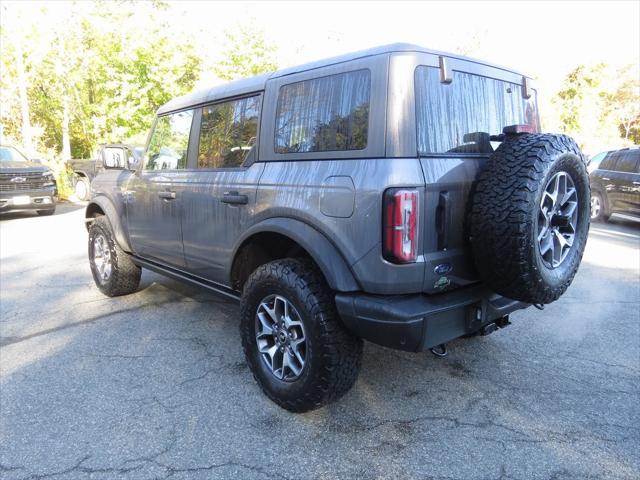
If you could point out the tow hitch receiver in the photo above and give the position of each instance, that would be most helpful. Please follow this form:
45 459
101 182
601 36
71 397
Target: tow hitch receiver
493 326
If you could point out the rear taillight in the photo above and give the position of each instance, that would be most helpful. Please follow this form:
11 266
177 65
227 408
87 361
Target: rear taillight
400 225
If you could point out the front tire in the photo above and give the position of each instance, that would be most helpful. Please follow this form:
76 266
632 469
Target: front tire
113 269
294 342
599 211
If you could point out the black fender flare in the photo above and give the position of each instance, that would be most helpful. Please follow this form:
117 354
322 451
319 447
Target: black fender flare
331 263
112 216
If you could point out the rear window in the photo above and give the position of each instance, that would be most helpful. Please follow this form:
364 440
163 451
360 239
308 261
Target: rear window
324 114
460 117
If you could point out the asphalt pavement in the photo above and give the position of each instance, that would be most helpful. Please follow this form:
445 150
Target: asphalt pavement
154 385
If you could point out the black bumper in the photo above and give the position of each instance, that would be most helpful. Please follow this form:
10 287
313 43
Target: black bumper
418 322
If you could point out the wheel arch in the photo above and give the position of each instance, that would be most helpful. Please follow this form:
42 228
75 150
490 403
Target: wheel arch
276 238
103 206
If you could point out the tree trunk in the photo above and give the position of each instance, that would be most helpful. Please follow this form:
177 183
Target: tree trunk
66 140
27 141
62 74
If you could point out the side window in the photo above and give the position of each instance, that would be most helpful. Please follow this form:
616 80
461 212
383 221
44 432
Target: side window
324 114
608 161
228 133
169 142
628 162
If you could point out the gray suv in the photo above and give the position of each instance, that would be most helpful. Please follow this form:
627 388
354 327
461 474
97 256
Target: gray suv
397 195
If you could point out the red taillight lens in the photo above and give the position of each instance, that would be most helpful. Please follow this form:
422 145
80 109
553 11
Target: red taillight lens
400 225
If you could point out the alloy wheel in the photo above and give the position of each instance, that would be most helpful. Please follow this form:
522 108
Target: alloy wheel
280 338
557 219
102 258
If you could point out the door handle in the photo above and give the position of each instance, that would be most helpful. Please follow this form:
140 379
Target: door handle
234 198
606 178
167 195
636 183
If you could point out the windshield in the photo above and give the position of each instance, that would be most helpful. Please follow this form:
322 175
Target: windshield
461 117
10 154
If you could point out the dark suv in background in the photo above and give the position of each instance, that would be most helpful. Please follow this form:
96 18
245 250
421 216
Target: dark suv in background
25 185
615 184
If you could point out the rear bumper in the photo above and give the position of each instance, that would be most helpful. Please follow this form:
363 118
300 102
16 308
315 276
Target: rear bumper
418 322
21 200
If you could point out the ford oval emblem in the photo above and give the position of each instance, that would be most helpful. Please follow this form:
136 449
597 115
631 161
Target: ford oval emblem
443 268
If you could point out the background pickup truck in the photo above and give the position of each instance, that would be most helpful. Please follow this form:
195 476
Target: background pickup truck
85 170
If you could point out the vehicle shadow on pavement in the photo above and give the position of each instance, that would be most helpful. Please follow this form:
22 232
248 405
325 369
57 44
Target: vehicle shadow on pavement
154 384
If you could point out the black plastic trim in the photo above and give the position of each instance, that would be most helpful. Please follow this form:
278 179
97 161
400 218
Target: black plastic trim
419 322
187 278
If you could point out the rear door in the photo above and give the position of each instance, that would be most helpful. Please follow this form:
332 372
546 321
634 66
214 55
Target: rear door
154 195
221 196
457 113
626 180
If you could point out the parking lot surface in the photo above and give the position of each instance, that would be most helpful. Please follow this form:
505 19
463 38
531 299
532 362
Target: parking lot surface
154 385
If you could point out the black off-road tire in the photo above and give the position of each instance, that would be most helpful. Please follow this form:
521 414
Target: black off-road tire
125 275
333 355
504 217
603 215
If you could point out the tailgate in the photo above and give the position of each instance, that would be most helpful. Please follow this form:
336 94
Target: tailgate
447 255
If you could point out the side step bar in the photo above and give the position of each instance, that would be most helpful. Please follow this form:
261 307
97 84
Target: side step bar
187 278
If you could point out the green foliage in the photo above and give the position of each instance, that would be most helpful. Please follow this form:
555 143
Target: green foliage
247 54
100 70
600 106
112 74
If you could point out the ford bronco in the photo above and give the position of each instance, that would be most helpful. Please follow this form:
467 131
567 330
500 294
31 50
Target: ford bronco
397 195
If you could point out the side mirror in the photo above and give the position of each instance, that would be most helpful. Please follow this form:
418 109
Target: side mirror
114 158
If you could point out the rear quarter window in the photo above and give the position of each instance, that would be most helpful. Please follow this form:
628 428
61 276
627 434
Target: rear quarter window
324 114
628 161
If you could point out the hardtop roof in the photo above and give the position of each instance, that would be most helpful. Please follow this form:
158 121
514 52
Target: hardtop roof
257 83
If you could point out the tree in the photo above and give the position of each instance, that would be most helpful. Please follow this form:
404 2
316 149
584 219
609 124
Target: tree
599 106
623 104
247 54
94 77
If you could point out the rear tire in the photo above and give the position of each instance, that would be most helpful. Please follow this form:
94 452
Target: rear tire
530 217
82 188
113 269
326 356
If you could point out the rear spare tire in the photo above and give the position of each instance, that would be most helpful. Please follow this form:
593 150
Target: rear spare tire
530 217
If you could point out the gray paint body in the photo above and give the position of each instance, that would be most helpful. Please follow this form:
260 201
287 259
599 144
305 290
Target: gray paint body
328 202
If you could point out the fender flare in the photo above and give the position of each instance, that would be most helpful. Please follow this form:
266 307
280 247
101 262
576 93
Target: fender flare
332 264
114 220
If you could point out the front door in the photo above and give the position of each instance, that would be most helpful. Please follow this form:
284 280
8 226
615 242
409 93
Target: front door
221 198
154 195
